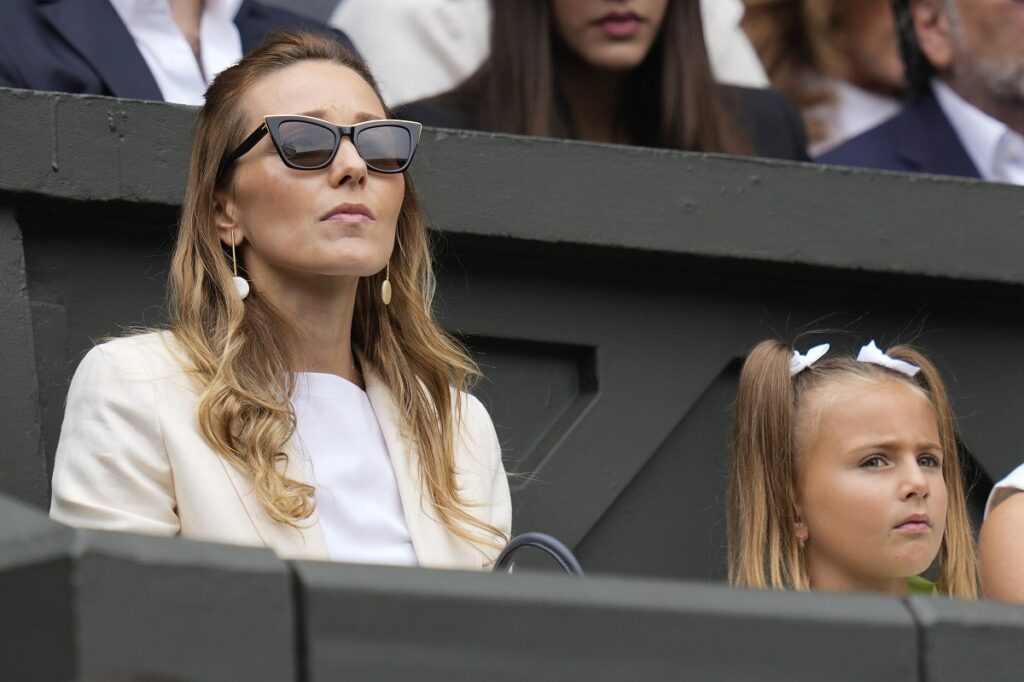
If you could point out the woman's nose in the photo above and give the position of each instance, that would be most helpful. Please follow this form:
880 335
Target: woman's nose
347 165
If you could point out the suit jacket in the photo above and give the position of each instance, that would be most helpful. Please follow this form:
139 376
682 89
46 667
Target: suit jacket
919 139
769 118
132 458
83 47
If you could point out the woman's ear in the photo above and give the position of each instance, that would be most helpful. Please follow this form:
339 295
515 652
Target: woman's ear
225 217
934 32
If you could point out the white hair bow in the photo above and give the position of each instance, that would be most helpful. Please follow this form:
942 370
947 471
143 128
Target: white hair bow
799 363
871 353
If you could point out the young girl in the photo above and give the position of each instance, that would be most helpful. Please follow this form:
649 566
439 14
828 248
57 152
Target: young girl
845 475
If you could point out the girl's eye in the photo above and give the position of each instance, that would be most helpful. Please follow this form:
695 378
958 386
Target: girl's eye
873 462
929 461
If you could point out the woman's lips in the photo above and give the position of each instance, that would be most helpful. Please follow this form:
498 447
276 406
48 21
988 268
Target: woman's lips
349 213
619 26
347 218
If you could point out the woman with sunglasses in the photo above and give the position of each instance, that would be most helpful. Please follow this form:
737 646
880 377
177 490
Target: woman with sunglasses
621 71
302 397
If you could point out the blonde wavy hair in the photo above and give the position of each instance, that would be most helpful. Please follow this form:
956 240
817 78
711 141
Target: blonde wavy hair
764 551
239 350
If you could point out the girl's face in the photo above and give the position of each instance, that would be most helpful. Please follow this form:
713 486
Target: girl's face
615 35
310 226
871 497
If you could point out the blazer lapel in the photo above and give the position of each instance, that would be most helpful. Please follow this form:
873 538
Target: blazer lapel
431 540
928 142
96 31
252 26
305 542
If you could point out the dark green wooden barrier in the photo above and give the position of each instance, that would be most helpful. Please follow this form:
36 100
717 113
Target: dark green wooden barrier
94 606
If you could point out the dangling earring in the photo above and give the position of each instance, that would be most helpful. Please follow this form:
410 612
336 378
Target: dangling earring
385 288
241 286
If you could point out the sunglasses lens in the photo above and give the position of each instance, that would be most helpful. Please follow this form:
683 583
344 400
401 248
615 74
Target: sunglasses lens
385 147
305 144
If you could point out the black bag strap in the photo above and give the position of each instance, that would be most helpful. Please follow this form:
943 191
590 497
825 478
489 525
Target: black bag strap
548 544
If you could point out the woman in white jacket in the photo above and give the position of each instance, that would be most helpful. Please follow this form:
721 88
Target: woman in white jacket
302 397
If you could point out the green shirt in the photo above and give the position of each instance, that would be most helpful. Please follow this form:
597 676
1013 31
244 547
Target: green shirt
919 585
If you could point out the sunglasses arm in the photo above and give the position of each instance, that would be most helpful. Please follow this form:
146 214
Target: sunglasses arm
241 150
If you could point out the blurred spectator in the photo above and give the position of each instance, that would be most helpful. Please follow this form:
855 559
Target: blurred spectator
838 59
417 48
624 71
733 59
965 72
420 48
142 49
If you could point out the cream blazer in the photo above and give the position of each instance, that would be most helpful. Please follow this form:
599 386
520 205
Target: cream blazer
131 458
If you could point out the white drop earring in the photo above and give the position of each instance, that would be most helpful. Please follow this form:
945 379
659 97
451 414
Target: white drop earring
385 288
241 286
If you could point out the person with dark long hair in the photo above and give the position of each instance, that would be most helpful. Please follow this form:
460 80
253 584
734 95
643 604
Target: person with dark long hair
620 71
838 59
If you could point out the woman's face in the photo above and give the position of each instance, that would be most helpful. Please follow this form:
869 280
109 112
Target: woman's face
302 225
615 35
871 497
872 48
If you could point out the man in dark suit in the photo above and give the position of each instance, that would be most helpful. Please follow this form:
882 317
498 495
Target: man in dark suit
965 70
83 46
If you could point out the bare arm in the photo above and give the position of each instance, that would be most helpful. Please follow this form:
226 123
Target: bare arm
1001 551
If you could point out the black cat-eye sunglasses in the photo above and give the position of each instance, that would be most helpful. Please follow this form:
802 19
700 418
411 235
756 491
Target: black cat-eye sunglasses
307 143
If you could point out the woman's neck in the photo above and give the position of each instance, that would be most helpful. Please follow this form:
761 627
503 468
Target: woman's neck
594 100
319 311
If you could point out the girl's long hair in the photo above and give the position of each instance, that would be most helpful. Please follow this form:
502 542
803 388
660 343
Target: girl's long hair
671 100
763 548
238 350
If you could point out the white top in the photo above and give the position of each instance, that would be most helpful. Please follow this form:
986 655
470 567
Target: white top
733 58
853 111
417 48
1014 483
348 462
420 48
179 76
132 457
996 150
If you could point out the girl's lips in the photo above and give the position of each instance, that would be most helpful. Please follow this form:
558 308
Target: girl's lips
619 26
914 527
915 523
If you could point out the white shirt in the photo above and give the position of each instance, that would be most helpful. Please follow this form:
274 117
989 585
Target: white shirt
420 48
852 111
733 58
417 48
179 76
1013 483
357 495
996 150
